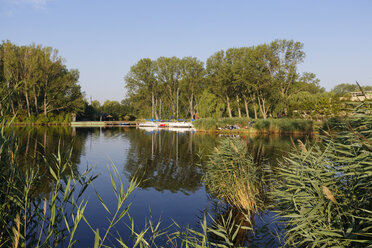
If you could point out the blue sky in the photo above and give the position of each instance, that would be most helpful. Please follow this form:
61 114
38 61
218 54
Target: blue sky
104 38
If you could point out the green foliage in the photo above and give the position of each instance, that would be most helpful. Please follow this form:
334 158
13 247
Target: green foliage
242 122
323 192
28 218
315 106
205 124
265 76
281 125
40 81
343 89
210 105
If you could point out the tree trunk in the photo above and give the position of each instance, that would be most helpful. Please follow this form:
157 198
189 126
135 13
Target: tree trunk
246 107
253 99
156 109
285 107
152 105
261 103
191 106
255 111
45 104
238 102
228 106
160 107
178 92
36 104
28 104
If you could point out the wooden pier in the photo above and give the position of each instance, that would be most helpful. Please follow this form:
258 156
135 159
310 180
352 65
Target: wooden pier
103 124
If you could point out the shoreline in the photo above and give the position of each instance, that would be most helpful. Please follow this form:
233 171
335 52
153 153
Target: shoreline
133 124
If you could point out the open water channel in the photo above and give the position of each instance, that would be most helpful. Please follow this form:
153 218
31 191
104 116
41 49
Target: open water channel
169 164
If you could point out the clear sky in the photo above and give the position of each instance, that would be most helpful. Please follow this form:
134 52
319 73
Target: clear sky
104 38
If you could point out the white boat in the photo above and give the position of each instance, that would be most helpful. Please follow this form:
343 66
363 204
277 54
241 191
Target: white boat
180 124
148 124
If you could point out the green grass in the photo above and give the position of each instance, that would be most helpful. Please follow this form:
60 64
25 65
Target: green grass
205 124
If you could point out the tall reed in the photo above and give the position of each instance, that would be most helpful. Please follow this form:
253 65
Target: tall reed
232 174
324 191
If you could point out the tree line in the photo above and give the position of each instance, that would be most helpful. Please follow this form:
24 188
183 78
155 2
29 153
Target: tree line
257 82
39 82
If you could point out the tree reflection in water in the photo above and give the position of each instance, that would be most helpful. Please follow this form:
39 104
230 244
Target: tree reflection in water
233 224
168 160
164 160
39 143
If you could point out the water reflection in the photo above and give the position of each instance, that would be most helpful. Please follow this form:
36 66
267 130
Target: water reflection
164 160
38 144
170 164
167 160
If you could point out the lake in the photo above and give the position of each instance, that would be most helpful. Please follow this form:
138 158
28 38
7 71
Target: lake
168 164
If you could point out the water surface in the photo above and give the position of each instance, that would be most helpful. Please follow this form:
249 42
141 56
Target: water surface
169 165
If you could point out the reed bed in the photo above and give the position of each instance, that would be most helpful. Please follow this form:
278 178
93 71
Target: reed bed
323 193
284 125
233 175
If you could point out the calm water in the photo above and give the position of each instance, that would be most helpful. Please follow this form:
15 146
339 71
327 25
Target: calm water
169 164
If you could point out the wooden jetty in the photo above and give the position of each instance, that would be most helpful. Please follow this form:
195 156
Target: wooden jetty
103 124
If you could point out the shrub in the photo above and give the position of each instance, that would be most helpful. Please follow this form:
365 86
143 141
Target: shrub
205 124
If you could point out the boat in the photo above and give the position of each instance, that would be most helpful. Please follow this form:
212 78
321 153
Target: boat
164 124
148 124
181 124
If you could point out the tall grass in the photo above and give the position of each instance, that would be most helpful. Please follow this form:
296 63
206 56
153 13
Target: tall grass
233 175
283 125
205 124
28 218
324 191
270 125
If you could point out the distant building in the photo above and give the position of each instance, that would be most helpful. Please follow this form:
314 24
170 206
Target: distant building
358 96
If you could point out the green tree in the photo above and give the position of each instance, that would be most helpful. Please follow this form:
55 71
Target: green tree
192 81
141 83
343 89
220 77
37 74
282 63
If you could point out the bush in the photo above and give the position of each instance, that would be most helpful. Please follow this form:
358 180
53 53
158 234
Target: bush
205 124
283 125
260 125
242 122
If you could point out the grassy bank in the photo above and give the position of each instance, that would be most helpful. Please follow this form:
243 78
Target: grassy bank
50 120
278 126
